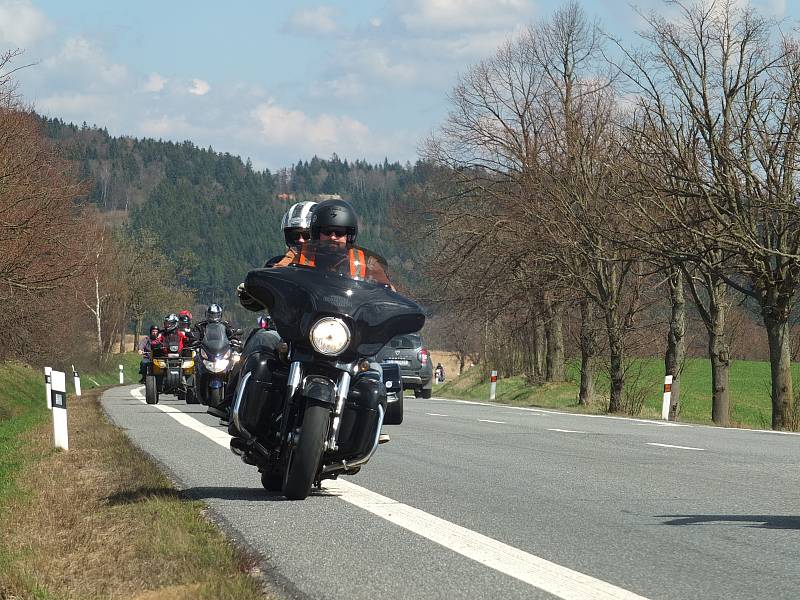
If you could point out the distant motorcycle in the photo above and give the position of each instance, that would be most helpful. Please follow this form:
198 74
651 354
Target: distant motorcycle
171 370
314 411
217 356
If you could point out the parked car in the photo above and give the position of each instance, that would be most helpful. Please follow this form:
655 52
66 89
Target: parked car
410 354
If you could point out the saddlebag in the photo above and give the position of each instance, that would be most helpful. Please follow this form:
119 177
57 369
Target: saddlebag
360 416
262 398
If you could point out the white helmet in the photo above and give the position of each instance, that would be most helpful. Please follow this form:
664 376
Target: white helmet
298 217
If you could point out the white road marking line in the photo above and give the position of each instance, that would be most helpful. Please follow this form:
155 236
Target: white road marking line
219 436
490 421
566 431
435 415
671 446
612 417
535 571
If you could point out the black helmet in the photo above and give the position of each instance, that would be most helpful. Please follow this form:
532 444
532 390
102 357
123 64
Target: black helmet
334 213
153 328
214 313
170 322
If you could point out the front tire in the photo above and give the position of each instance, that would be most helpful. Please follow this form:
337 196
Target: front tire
191 397
215 396
304 458
426 393
151 389
394 411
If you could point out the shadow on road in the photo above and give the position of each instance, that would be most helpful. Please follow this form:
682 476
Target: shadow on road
758 521
249 494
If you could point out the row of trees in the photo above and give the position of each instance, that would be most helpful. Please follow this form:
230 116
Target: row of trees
70 283
580 178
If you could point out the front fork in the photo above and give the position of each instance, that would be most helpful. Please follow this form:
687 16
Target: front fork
341 389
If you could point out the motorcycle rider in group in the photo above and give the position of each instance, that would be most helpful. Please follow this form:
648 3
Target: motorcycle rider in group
296 226
170 326
145 350
333 222
213 315
185 322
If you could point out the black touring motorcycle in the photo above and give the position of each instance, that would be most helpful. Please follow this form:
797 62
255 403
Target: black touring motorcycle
313 409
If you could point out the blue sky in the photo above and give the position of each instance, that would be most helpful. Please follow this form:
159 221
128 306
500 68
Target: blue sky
272 80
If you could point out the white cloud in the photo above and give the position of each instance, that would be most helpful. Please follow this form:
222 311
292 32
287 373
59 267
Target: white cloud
84 60
164 126
70 104
380 65
21 23
451 15
321 134
155 83
199 87
375 22
318 20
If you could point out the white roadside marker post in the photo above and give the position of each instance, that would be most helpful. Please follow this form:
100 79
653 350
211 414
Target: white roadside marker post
121 375
48 373
59 401
493 386
667 396
76 379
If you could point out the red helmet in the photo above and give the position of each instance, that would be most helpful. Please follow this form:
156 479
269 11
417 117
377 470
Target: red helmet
185 312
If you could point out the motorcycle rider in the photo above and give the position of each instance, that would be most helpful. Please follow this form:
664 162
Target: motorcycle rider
213 315
145 350
333 222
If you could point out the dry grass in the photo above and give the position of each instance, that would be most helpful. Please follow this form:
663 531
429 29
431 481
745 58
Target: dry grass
101 521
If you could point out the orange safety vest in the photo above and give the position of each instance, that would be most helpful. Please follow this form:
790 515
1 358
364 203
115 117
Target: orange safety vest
356 257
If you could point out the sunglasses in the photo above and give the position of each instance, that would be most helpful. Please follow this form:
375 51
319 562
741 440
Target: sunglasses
333 231
299 236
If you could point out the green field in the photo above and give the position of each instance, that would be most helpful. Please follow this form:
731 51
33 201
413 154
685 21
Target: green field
749 385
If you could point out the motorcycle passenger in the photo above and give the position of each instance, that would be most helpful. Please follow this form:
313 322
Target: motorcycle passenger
146 349
296 225
185 321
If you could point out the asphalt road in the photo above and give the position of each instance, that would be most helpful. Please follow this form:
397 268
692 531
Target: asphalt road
477 501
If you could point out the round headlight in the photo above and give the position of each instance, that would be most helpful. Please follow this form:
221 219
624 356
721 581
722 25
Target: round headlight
329 336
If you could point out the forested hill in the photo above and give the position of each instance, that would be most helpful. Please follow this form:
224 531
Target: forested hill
218 217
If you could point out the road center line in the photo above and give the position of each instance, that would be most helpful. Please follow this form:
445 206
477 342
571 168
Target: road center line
671 446
535 571
490 421
566 431
435 415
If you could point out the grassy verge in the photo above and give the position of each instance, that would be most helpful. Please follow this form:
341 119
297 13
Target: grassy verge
101 520
749 388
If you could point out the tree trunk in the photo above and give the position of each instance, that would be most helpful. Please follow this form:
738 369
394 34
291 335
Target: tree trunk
539 348
137 333
676 343
616 351
97 319
122 331
780 367
555 341
719 353
588 351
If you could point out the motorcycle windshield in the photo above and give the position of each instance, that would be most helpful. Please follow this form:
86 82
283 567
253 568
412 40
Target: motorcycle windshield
215 340
331 280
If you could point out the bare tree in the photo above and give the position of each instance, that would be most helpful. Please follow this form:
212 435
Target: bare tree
719 103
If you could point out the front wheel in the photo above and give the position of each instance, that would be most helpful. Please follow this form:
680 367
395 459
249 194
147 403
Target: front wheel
151 389
215 396
394 411
426 393
305 456
271 481
191 397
